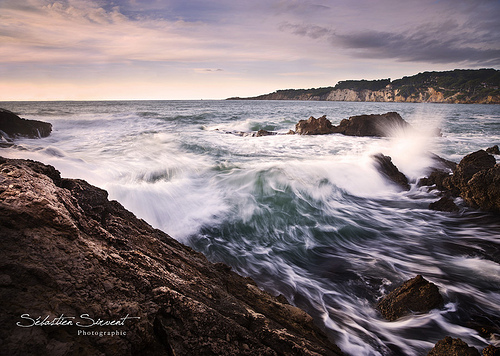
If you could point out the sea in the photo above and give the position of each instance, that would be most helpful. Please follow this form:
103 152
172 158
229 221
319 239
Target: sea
308 217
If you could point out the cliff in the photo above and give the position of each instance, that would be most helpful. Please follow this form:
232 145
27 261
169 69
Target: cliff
457 87
79 274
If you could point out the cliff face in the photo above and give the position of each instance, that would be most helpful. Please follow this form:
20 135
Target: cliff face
455 87
79 274
429 95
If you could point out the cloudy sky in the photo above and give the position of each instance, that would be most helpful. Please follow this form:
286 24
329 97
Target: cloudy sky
198 49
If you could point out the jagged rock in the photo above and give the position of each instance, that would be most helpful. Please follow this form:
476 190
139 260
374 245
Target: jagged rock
444 204
313 126
390 171
66 250
436 178
491 350
477 180
13 126
379 125
483 190
494 150
468 166
452 347
416 295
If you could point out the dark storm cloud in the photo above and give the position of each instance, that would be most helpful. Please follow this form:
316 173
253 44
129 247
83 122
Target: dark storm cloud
420 47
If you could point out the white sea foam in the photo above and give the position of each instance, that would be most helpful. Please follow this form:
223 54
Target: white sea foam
309 217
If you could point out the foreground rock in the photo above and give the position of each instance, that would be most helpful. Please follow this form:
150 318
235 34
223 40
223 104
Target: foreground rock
12 126
66 251
390 171
377 125
416 295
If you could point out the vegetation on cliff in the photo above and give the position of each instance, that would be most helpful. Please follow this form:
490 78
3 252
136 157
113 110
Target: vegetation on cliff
457 86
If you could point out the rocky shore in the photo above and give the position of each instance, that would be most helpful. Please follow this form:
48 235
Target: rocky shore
68 255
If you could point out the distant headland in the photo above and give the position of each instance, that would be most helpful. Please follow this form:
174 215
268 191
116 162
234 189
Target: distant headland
459 86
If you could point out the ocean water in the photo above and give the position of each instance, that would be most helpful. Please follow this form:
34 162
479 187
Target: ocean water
308 217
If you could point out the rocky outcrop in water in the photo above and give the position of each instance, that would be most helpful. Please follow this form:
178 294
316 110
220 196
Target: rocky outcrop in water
416 295
70 258
444 204
374 125
12 126
390 171
476 179
313 126
494 150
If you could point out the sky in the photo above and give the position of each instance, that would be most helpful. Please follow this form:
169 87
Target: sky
196 49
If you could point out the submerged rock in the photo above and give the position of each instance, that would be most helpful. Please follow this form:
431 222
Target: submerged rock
263 132
452 347
66 250
416 295
444 204
13 126
390 171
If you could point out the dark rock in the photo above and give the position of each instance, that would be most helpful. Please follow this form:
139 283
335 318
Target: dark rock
378 125
444 204
262 132
416 295
14 126
483 190
313 126
468 166
494 150
66 249
436 178
390 171
491 350
452 347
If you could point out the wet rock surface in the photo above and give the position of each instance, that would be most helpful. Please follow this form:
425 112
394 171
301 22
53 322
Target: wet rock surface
416 295
452 347
313 126
67 251
444 204
12 126
476 179
377 125
390 171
